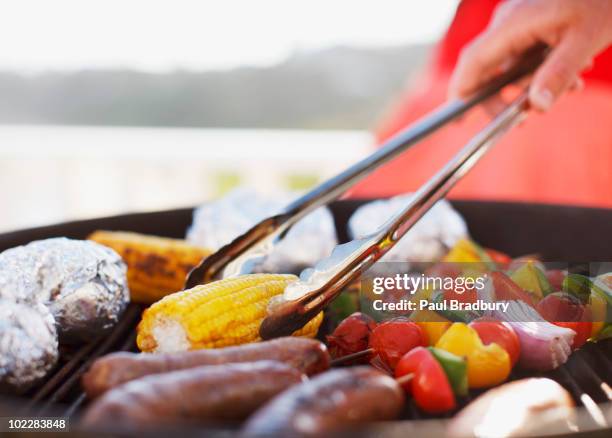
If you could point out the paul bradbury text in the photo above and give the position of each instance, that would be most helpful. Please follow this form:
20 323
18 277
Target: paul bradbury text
405 305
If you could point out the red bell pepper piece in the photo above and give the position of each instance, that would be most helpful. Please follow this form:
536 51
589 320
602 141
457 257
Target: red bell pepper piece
508 290
429 385
501 259
468 296
582 329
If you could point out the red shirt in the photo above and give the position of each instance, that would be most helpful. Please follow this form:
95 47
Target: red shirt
471 18
564 156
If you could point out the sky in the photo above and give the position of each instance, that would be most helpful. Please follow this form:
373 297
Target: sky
164 35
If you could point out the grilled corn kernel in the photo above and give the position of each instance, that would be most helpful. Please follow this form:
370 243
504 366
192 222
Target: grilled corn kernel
157 266
219 314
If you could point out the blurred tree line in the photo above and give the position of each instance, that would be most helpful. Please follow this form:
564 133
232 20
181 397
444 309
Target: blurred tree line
338 88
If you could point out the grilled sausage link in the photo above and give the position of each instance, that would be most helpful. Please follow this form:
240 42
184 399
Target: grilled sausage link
218 392
330 401
306 355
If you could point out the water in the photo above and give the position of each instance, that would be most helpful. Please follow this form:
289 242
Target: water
55 173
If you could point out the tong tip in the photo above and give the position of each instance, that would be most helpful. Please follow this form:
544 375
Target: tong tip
204 272
285 319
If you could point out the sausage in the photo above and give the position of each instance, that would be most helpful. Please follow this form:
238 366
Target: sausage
217 392
306 355
330 401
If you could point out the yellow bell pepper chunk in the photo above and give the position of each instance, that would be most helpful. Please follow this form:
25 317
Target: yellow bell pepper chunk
422 294
487 365
530 278
464 251
599 309
432 324
470 256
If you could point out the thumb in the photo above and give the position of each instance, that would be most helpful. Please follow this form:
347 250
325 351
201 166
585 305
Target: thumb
559 71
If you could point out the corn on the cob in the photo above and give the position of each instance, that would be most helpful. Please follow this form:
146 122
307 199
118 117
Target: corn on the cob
157 266
219 314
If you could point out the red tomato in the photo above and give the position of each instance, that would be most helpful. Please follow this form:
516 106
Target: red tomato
507 290
394 338
351 335
429 385
501 333
501 259
468 296
555 277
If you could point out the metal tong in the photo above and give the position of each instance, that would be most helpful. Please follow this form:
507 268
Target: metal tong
348 261
238 256
320 285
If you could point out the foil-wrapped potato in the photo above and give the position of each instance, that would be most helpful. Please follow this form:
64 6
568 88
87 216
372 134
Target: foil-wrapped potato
81 282
28 345
429 239
217 223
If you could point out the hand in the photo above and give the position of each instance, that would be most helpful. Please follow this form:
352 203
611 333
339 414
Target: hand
576 31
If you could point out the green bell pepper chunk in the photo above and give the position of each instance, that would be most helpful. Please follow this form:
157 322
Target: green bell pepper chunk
532 279
455 368
344 305
578 286
465 316
601 289
582 287
605 333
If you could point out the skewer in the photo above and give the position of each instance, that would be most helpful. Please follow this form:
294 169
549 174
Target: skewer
405 378
349 357
340 360
239 256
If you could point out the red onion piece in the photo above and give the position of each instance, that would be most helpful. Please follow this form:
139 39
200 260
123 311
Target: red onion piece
544 346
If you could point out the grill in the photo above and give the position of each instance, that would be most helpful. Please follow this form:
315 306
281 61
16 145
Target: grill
514 228
63 386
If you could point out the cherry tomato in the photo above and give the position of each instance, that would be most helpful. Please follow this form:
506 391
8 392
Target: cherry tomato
394 338
501 333
555 277
351 335
429 385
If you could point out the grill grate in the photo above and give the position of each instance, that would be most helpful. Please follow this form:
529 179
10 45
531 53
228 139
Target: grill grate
587 376
62 393
496 225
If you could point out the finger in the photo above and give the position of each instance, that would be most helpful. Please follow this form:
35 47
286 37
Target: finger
494 105
559 71
507 38
577 84
497 103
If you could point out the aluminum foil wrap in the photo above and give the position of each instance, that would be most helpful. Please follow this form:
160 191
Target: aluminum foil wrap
81 282
219 222
28 345
430 238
